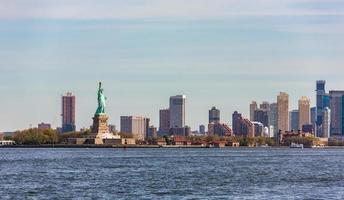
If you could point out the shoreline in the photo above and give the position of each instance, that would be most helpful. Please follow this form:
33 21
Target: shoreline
148 146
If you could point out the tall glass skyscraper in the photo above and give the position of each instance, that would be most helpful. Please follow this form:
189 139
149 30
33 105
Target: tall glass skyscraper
177 111
294 120
261 116
273 117
321 93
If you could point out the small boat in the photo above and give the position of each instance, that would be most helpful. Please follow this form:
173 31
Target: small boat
297 146
263 146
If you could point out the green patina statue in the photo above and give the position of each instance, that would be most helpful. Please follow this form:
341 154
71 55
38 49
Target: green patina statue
101 101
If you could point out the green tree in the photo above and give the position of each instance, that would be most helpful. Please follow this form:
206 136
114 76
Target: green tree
211 138
306 141
243 141
8 137
35 136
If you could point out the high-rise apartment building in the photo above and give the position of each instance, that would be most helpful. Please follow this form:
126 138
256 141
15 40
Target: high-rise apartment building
214 115
247 128
177 111
164 121
283 111
68 113
294 120
219 129
242 126
253 107
136 125
304 111
261 115
236 125
337 114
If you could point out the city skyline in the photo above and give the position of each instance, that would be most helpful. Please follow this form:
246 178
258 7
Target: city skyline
245 112
217 53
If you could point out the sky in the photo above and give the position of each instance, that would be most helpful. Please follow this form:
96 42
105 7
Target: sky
222 53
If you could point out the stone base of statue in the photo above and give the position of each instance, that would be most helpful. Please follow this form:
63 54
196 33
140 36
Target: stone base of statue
100 128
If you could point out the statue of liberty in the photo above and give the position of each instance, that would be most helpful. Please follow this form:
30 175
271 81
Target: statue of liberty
101 101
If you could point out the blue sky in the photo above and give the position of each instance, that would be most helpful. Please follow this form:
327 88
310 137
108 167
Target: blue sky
217 52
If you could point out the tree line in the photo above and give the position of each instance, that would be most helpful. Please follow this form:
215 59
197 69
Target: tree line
35 136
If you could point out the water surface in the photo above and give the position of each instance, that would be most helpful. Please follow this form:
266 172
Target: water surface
237 173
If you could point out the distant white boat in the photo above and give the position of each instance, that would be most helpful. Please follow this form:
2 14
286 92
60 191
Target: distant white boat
298 146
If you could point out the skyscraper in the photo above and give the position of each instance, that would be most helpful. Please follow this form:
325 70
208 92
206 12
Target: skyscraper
164 121
314 119
136 125
261 115
253 107
283 111
326 122
273 118
177 111
320 91
294 120
337 114
201 129
320 94
236 117
304 111
68 113
214 115
242 126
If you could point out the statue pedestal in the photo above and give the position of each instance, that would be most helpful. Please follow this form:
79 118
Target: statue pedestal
100 128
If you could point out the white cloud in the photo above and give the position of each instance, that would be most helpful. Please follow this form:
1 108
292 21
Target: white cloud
155 9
